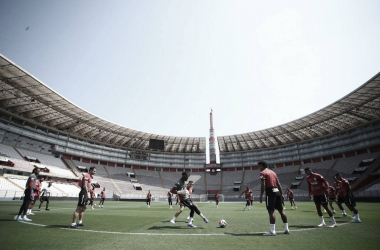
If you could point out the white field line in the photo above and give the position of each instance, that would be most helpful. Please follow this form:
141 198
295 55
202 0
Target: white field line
163 234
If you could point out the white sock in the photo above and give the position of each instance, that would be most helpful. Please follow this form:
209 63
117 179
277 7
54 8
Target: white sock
216 206
190 220
286 226
201 215
174 218
73 224
356 216
322 219
332 220
80 222
272 228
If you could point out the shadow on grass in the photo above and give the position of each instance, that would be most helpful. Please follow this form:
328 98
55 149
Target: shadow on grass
301 226
247 234
7 220
172 227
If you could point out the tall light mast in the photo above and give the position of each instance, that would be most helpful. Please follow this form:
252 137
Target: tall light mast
212 142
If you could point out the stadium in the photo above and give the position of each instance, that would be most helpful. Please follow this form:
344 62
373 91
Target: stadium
40 128
139 183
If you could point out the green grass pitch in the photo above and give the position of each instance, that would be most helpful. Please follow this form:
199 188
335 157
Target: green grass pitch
131 225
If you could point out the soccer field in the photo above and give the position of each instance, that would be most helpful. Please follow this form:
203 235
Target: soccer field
131 225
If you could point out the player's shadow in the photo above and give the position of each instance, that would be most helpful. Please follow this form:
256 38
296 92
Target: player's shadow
58 226
7 220
247 234
301 226
172 227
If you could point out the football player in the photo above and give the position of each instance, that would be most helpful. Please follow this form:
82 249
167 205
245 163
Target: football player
84 194
102 197
45 197
346 196
247 193
184 195
290 195
274 197
317 187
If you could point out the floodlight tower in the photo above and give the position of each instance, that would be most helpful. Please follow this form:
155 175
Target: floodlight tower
212 142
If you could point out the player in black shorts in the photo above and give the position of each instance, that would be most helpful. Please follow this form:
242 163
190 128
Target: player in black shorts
274 197
45 197
84 194
170 195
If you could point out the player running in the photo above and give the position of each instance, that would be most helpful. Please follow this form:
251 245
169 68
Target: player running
45 197
346 196
247 193
180 188
84 194
274 197
332 198
181 204
290 195
170 195
318 186
102 197
148 199
340 196
217 197
28 195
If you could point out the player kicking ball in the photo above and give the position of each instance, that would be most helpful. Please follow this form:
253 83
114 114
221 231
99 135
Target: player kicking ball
180 189
318 186
274 197
182 205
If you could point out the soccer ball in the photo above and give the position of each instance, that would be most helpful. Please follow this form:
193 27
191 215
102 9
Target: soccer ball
94 205
222 223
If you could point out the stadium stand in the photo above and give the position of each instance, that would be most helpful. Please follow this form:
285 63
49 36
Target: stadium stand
228 182
44 158
9 152
213 181
150 180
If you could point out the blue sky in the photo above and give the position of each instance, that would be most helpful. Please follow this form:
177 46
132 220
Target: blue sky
158 66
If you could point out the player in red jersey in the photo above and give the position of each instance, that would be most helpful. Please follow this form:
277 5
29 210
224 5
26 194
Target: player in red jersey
84 194
148 199
274 197
28 195
181 204
251 198
37 193
345 192
247 194
290 195
217 197
318 186
340 196
102 197
332 198
92 196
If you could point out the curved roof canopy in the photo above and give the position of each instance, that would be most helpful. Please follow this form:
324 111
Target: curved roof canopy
357 108
26 97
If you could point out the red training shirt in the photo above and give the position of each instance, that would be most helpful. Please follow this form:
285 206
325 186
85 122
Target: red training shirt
332 192
316 183
103 194
84 178
270 178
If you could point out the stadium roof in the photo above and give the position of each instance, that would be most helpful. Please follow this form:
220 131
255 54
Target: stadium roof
25 96
357 108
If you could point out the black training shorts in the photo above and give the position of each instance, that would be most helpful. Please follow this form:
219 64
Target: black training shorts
82 201
349 201
274 202
320 199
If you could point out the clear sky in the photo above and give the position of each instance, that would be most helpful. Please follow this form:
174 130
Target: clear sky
159 66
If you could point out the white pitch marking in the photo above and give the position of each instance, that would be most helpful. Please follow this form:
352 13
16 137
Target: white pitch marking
162 234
